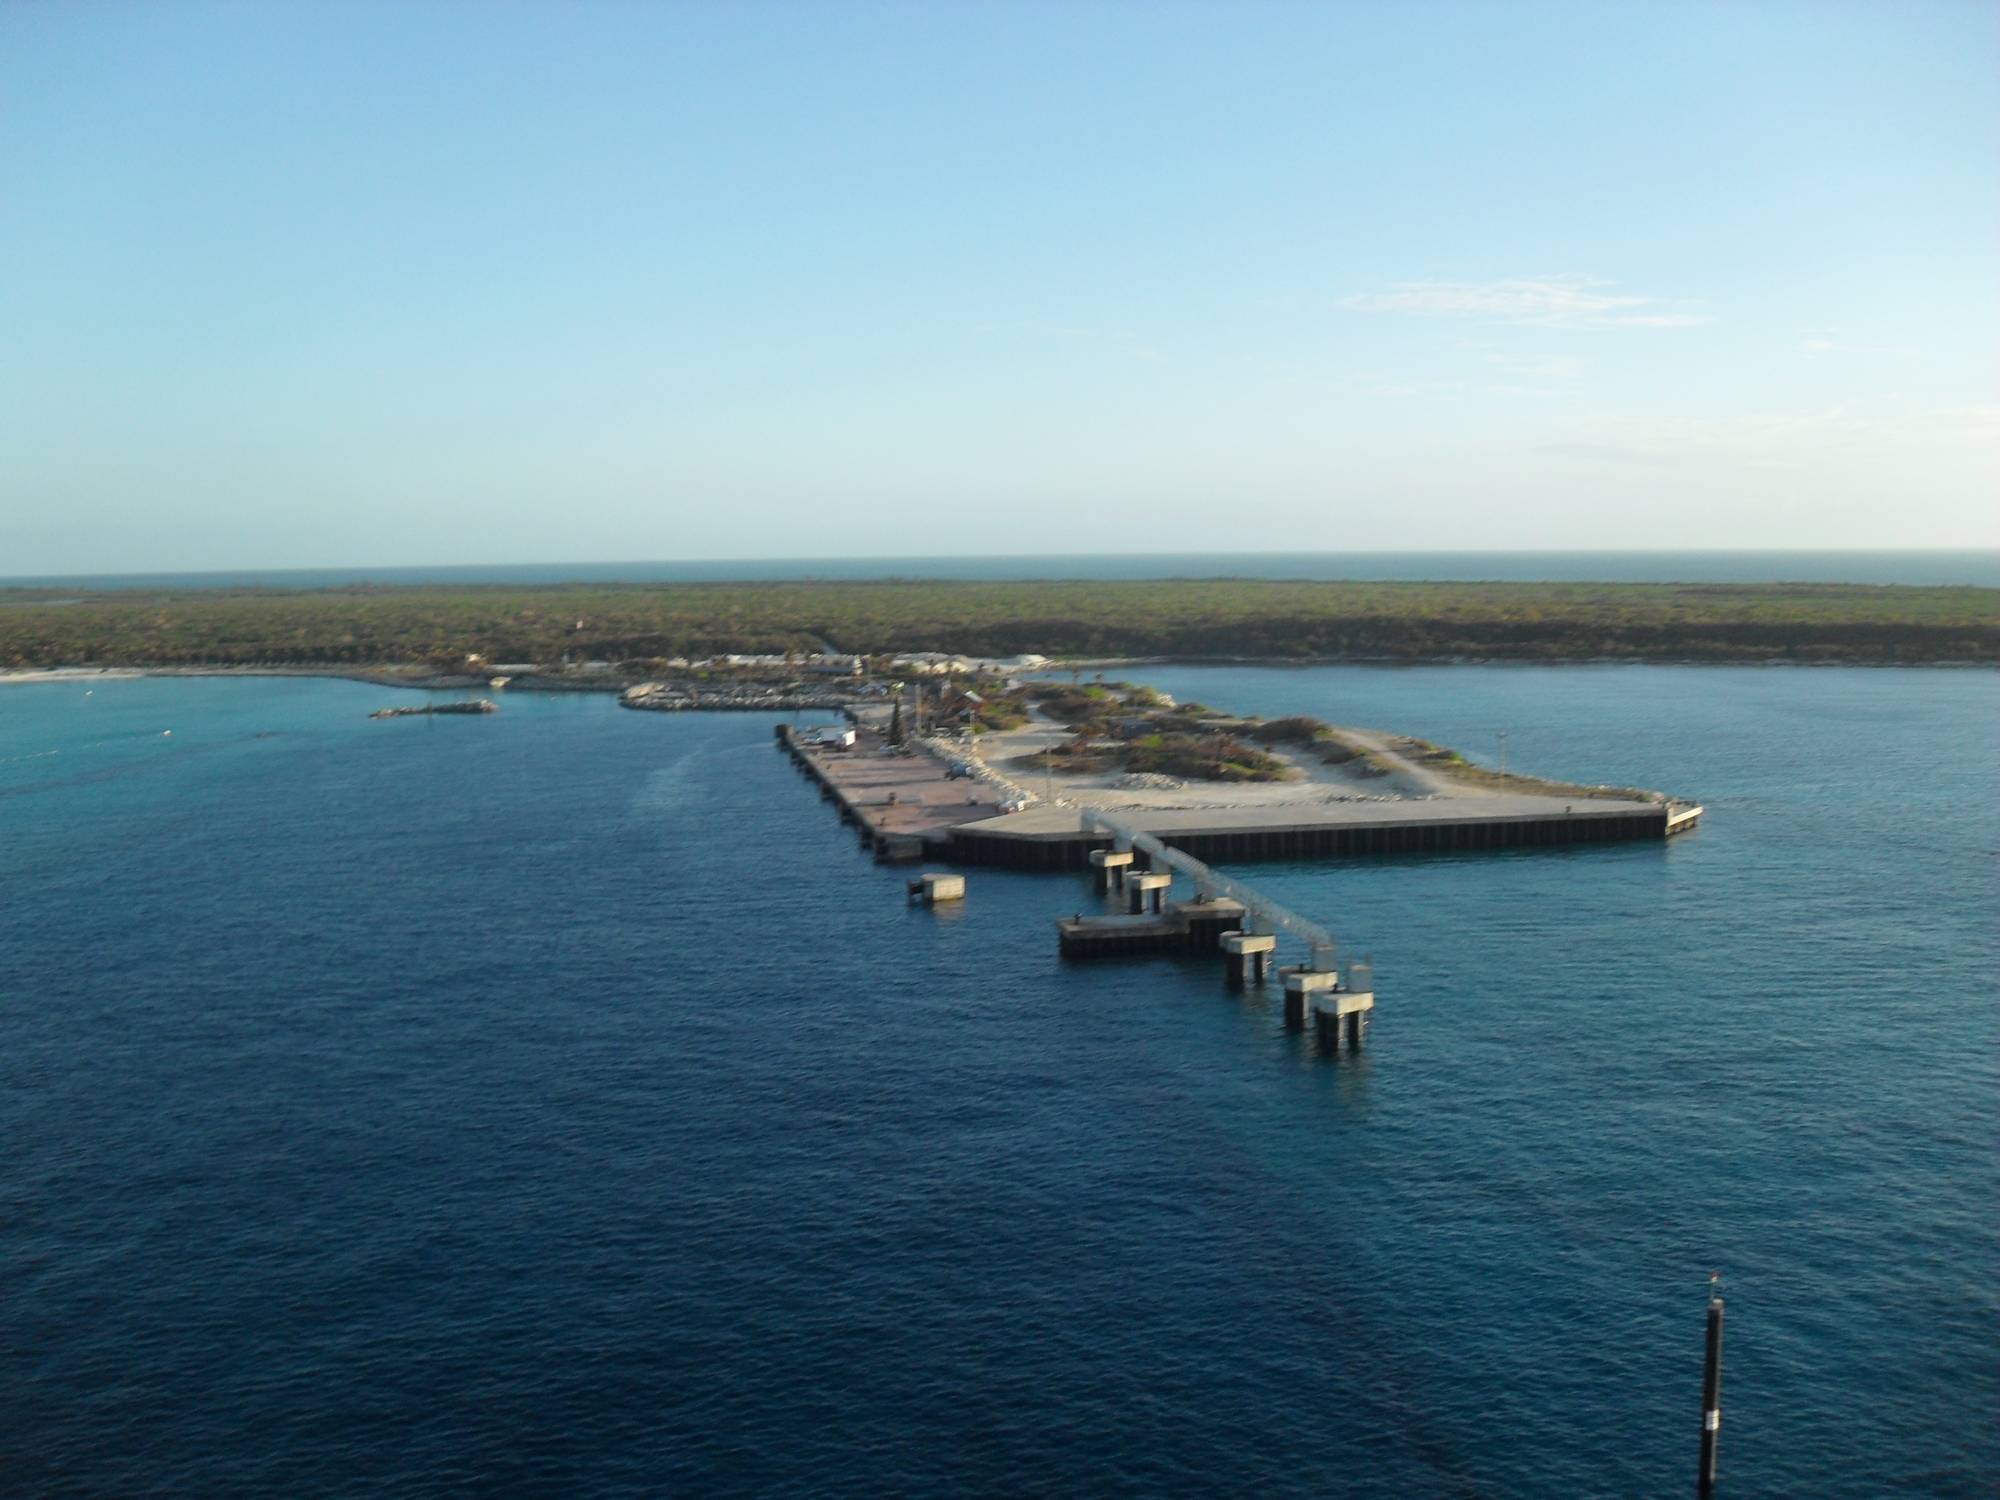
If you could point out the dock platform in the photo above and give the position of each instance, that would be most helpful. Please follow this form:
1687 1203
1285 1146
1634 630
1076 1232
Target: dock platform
903 805
1055 838
1181 927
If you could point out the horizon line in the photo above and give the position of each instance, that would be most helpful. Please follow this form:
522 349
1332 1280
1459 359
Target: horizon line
14 579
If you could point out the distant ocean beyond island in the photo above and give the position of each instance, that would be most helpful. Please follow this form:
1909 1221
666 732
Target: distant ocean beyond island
1977 566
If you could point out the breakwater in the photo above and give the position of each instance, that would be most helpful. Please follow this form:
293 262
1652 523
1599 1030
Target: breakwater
422 710
655 697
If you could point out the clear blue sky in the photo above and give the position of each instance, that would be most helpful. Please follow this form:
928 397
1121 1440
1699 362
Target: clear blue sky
347 284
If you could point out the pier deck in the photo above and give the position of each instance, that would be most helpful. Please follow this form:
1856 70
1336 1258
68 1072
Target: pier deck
1054 838
901 804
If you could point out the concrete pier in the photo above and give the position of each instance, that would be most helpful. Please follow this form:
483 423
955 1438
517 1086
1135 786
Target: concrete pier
931 888
1118 937
1248 955
1207 920
1230 918
1342 1015
1056 838
1303 988
902 803
1148 888
1183 927
1110 865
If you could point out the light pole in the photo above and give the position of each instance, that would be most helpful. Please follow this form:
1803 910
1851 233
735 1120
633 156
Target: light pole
1503 752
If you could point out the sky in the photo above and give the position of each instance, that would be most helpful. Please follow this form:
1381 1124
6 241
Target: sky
351 284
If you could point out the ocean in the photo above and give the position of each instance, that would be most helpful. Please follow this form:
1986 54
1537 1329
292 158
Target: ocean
1965 566
559 1103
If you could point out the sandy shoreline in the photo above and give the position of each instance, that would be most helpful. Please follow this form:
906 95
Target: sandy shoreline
379 676
69 674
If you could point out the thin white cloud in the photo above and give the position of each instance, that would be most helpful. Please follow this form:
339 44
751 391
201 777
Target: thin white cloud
1819 343
1788 439
1547 301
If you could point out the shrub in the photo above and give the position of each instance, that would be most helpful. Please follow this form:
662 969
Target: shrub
1299 729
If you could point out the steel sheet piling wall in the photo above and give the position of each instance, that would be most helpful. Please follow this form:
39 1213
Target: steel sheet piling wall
1330 841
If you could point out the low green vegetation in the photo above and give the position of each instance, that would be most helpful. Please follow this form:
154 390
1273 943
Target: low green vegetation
1448 762
1192 620
1124 726
1300 729
1186 757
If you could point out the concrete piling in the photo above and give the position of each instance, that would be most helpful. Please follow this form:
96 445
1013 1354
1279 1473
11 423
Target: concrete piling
1216 920
1109 865
1247 955
1148 891
1340 1018
1302 988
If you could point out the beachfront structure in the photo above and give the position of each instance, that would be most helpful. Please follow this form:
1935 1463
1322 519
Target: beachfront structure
940 663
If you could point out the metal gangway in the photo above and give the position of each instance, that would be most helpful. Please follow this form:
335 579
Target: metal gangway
1262 914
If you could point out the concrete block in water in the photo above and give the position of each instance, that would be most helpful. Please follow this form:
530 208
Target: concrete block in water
932 889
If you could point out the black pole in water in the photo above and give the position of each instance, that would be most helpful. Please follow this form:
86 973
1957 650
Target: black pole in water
1711 1394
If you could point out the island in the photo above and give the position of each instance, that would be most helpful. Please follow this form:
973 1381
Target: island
633 631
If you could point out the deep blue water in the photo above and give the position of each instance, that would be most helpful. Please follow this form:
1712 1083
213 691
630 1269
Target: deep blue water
559 1104
1967 566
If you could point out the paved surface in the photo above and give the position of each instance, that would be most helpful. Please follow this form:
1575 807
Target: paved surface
902 794
1054 822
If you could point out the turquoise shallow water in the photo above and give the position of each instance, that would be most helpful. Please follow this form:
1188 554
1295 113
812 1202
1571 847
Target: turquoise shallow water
560 1104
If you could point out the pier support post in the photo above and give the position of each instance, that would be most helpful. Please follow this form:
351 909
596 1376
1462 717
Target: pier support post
1247 954
1109 864
1340 1016
1149 892
1302 988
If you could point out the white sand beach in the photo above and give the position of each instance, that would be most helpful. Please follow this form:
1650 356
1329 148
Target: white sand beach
68 674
